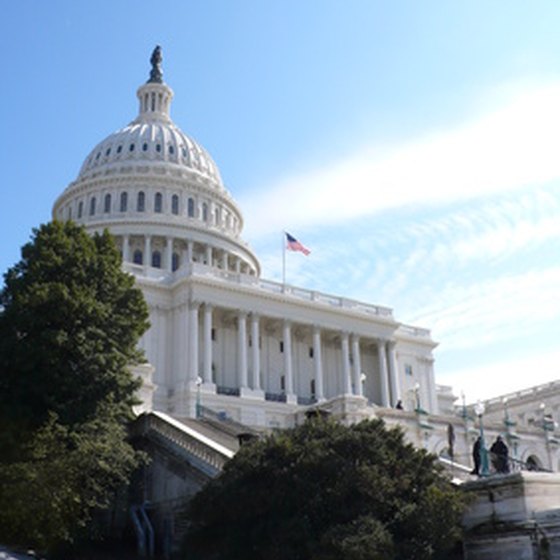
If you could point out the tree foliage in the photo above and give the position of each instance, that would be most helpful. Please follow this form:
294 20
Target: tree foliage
70 321
326 491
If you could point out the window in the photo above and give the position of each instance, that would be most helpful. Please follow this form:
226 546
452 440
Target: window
145 146
312 387
156 259
311 351
214 335
119 149
107 204
70 212
98 155
131 147
158 203
175 262
171 150
108 151
137 257
124 201
175 204
282 383
184 151
205 212
141 202
281 346
408 369
92 206
158 148
190 208
80 209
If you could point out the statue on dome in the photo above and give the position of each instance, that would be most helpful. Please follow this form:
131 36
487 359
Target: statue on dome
156 75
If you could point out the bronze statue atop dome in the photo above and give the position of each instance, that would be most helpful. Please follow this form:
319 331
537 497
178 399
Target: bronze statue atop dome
156 75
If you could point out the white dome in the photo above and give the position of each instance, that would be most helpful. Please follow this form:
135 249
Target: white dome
152 138
151 181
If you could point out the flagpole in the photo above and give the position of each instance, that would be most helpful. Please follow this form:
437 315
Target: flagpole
283 258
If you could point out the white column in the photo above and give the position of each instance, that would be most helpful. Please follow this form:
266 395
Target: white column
357 365
242 349
238 265
190 250
225 261
345 348
383 372
147 251
394 373
255 336
126 248
288 372
318 363
209 255
208 344
193 341
169 254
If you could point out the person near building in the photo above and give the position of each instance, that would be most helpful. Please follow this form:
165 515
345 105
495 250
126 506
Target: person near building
499 453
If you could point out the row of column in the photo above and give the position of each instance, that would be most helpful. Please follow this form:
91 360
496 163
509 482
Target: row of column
187 254
350 347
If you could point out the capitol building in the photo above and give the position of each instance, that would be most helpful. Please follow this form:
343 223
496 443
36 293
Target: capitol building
261 353
230 354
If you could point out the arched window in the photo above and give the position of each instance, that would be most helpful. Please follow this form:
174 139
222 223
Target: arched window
205 212
107 204
175 204
141 202
124 201
69 212
156 259
191 208
137 257
80 209
175 262
92 206
158 202
216 217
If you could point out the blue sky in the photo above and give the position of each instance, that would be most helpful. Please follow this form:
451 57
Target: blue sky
412 146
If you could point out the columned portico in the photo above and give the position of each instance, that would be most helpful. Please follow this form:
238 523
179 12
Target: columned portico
384 385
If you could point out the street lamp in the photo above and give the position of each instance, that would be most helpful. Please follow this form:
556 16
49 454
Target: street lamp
198 407
479 411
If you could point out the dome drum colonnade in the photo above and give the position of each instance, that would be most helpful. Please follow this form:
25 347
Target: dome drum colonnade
179 231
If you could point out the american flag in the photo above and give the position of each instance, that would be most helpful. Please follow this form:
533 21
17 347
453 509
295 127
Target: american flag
294 245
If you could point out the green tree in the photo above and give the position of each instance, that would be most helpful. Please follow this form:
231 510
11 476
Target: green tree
326 491
70 321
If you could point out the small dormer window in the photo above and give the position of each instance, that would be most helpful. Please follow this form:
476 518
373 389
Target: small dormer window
158 203
108 151
175 204
171 150
158 147
119 149
98 156
141 202
184 150
131 147
145 147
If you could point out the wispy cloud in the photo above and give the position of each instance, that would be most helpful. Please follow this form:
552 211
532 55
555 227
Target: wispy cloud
503 150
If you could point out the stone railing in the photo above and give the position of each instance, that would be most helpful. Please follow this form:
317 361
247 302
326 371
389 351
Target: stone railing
197 445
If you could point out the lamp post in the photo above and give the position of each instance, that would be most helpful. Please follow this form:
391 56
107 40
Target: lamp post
198 407
479 411
547 426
